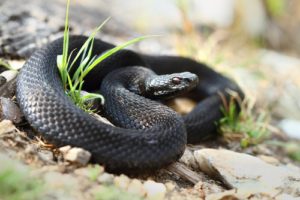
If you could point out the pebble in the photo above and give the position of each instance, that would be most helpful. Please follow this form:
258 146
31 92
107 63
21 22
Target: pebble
188 159
246 172
6 126
136 187
154 190
78 156
9 110
65 149
105 178
122 181
9 74
46 156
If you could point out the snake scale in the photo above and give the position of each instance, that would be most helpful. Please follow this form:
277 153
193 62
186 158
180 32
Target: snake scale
150 138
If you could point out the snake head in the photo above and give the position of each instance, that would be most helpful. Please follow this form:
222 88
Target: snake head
170 85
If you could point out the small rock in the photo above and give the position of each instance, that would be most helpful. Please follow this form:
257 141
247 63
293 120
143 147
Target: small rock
9 74
291 127
46 156
188 159
9 110
249 173
105 178
122 181
78 155
155 191
65 149
136 187
6 126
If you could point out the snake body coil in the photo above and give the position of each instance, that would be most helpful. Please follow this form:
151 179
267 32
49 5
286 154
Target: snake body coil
158 136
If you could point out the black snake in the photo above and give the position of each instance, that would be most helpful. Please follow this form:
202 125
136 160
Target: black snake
150 135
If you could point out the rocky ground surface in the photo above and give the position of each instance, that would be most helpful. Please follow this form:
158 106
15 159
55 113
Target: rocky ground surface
218 169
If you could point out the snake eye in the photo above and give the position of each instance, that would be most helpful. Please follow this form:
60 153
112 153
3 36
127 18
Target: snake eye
176 80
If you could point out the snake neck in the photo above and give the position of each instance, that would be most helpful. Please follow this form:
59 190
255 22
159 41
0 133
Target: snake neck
127 108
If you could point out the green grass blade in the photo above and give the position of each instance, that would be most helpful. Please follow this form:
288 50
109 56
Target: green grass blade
86 44
66 36
84 63
91 96
114 50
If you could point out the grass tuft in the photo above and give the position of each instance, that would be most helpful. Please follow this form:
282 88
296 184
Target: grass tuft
246 126
73 85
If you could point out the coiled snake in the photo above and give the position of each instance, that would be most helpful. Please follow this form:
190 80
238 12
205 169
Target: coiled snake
149 135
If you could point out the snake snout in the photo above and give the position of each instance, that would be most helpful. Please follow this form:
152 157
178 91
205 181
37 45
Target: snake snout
191 80
170 85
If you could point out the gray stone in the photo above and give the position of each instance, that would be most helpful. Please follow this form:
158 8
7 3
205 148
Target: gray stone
78 156
46 156
10 111
248 173
9 74
105 178
6 126
65 149
154 190
136 187
122 181
188 159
